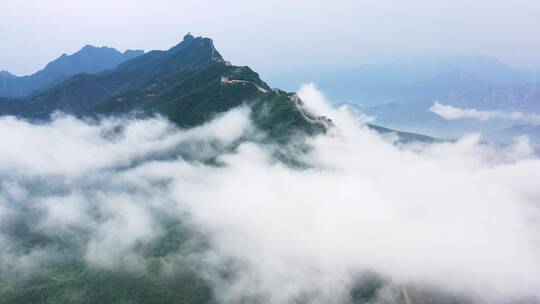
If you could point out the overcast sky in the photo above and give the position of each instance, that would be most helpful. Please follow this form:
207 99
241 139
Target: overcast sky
274 35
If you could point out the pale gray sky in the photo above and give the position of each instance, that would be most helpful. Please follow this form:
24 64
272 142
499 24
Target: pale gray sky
274 35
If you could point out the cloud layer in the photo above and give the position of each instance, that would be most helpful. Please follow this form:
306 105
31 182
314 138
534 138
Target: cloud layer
461 217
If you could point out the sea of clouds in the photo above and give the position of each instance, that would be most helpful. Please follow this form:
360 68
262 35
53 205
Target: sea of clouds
458 216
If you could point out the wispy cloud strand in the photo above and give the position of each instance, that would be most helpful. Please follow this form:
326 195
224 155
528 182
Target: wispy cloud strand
449 112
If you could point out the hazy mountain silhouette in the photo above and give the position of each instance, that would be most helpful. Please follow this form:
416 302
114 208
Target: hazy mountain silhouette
89 59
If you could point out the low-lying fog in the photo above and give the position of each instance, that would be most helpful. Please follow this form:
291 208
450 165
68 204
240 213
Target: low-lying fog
463 217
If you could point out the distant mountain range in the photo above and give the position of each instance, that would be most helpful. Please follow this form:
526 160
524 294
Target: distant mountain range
89 59
476 79
459 88
400 96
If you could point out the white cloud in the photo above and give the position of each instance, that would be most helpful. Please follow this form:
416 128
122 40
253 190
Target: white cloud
459 216
446 215
128 224
77 177
73 147
449 112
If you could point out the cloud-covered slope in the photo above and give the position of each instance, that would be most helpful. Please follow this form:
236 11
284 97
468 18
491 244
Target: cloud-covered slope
210 214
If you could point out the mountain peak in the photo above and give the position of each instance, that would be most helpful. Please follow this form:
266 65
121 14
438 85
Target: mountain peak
188 37
198 46
88 47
